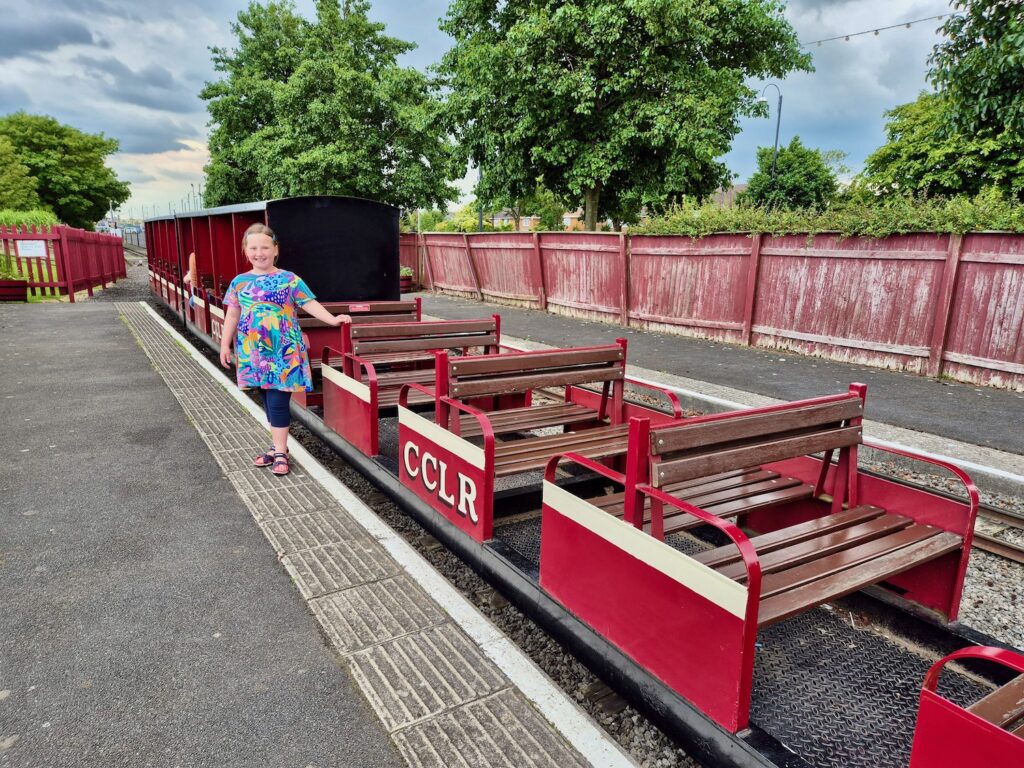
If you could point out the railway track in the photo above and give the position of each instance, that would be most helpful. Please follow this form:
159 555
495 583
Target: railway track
992 520
994 545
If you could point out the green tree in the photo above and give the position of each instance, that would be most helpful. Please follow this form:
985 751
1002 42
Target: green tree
68 166
336 115
979 67
803 177
920 157
616 104
17 186
241 105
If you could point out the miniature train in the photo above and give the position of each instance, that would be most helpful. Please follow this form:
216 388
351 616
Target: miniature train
684 560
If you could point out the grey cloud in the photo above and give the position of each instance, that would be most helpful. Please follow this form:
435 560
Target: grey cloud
24 37
153 86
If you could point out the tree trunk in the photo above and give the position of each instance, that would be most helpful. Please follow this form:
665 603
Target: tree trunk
590 199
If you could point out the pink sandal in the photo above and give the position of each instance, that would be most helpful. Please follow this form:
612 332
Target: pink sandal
264 459
280 465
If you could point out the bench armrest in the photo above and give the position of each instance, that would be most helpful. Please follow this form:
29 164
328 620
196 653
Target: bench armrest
583 461
371 372
730 529
963 477
1014 661
328 352
486 430
677 409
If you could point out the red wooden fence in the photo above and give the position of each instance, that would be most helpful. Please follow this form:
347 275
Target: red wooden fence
926 303
63 260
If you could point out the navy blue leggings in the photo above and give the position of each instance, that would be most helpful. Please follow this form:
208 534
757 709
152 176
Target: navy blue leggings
275 403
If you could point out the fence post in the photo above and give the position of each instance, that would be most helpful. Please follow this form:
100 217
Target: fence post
64 261
944 305
538 266
750 301
425 253
624 254
472 268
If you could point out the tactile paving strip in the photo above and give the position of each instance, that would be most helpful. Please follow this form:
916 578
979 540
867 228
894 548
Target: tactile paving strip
421 675
308 531
329 568
418 670
375 613
502 725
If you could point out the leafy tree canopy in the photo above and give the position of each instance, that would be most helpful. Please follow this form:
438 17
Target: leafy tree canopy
68 166
803 178
979 68
323 108
617 104
17 186
919 157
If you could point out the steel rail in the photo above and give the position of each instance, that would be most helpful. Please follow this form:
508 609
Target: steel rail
995 546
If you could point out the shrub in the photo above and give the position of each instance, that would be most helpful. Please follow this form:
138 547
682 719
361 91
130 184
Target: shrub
859 212
40 217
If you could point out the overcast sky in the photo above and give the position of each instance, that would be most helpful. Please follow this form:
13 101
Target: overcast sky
132 70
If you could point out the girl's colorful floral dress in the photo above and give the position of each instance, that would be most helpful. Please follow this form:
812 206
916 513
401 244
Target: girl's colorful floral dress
268 348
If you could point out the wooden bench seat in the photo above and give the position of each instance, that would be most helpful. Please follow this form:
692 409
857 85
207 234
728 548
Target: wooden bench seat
533 453
798 570
377 361
813 530
517 375
1004 706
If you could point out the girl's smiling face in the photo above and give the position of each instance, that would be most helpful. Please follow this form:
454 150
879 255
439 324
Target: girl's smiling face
261 251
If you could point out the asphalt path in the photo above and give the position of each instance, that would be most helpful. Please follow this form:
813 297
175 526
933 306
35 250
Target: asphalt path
980 415
145 621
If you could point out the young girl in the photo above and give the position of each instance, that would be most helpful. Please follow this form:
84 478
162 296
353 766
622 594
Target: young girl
262 305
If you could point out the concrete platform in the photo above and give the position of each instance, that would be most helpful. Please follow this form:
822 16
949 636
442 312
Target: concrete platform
146 620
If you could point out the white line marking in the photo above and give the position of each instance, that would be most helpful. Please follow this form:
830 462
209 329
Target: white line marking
575 725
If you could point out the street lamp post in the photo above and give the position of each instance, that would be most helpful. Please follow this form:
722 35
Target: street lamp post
778 119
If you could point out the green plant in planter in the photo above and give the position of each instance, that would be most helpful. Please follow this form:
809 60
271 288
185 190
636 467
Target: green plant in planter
405 272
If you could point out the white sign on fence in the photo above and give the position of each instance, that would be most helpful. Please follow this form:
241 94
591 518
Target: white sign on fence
31 249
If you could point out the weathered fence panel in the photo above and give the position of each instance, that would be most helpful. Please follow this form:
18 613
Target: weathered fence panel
670 276
584 274
926 303
71 260
858 299
504 265
985 341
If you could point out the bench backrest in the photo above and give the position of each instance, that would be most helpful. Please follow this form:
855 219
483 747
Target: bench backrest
506 374
389 338
363 312
723 442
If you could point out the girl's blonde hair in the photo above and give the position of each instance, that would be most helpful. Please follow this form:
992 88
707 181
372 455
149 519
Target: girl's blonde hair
259 229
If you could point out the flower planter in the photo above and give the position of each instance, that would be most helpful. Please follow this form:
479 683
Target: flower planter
405 284
13 290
